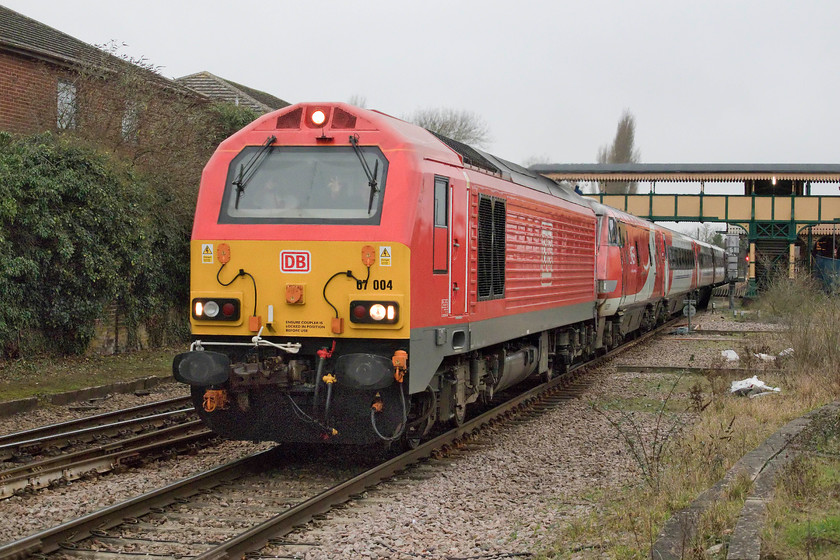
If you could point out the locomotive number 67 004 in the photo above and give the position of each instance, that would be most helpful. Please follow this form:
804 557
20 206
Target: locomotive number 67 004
416 276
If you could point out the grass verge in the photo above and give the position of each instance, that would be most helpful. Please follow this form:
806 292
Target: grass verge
21 379
803 518
713 431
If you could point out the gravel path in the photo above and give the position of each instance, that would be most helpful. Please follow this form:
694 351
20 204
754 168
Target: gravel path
506 495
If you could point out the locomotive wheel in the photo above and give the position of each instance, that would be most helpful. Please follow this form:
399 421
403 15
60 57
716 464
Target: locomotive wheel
459 416
559 367
661 314
548 374
648 319
411 441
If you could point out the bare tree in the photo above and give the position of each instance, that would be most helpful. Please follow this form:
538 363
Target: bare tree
708 233
461 126
358 100
622 150
535 160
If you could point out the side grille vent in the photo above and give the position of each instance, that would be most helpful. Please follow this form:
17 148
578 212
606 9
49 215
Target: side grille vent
291 119
491 247
343 119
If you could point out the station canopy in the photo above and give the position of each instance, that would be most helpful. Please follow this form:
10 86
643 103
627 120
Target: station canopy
691 172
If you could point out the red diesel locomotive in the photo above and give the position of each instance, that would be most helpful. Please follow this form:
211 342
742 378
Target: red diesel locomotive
356 278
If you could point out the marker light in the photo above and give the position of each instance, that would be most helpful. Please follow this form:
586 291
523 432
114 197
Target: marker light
374 312
216 309
318 117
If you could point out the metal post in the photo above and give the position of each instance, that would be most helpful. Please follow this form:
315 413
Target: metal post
792 261
732 294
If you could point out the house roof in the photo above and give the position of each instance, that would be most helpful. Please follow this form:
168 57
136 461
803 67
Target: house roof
33 39
27 36
220 89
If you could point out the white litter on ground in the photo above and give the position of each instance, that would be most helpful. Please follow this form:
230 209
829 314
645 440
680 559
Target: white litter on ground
765 357
752 387
730 355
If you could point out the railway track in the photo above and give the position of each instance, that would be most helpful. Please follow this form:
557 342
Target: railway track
60 453
236 509
39 439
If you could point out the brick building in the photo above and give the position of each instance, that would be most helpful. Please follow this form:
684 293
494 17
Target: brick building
36 74
52 81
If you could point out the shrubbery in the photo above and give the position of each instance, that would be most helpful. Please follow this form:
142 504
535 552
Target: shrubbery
80 230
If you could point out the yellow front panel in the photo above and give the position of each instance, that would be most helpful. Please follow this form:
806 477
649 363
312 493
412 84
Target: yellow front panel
290 280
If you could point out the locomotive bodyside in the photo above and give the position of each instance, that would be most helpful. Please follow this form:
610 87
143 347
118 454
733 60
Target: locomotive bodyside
356 278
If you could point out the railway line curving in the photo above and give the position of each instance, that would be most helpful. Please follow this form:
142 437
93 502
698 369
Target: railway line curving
154 518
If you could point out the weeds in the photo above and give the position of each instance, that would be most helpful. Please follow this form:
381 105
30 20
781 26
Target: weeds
648 451
812 318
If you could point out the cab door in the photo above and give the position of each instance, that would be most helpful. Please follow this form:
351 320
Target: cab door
449 243
459 199
660 288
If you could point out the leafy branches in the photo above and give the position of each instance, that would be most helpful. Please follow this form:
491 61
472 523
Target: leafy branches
79 230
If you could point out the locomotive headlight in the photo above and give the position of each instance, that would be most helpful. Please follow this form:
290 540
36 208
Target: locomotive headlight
199 308
211 309
318 117
377 312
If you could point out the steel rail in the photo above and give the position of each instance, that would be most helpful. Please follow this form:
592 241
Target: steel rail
96 420
101 458
259 536
89 434
55 538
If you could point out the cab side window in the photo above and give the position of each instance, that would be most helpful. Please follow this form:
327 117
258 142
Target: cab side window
613 239
441 202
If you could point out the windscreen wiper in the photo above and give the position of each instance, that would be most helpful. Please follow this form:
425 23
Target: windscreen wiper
247 170
354 141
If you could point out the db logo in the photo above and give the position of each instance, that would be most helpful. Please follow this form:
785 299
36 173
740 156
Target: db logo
295 261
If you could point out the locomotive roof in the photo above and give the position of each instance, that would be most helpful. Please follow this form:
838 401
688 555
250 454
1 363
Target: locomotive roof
510 171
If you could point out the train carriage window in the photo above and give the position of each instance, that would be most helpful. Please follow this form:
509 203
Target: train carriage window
304 185
613 239
600 230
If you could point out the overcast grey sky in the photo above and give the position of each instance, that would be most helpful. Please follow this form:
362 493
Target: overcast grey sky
712 81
